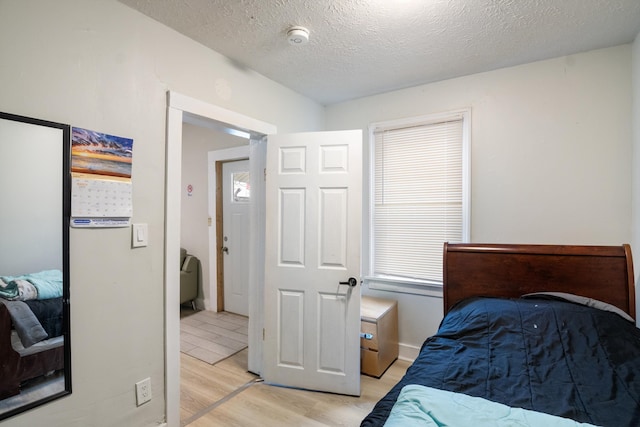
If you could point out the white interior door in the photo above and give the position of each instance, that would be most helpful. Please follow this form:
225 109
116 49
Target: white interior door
313 228
236 196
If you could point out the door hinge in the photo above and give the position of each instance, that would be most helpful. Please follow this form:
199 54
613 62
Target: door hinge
262 334
265 174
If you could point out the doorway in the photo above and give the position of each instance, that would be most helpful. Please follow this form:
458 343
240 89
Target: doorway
206 335
182 109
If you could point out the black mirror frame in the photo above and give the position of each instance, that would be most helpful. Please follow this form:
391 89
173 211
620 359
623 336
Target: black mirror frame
66 214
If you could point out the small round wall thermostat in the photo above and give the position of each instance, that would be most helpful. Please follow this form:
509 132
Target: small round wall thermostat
298 36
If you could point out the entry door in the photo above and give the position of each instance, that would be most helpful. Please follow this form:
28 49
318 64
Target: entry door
313 228
236 194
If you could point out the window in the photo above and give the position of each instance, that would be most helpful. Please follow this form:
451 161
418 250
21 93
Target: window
241 187
419 198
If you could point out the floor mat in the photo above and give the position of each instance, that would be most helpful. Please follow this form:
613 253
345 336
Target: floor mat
212 337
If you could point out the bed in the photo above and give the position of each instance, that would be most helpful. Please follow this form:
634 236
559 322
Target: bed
569 352
31 329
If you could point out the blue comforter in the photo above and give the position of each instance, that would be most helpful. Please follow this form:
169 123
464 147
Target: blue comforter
549 356
47 284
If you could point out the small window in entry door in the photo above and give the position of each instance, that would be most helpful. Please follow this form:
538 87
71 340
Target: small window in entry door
241 187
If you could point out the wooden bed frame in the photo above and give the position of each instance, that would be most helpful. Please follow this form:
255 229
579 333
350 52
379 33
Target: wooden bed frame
604 273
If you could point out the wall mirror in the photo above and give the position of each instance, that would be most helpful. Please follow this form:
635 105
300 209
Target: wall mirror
35 348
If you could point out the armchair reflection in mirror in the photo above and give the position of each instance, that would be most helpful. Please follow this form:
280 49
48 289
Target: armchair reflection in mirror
35 348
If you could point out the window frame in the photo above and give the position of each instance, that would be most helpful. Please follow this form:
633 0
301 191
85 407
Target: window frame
404 285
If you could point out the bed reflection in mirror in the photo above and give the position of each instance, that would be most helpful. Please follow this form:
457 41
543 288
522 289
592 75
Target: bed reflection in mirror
35 363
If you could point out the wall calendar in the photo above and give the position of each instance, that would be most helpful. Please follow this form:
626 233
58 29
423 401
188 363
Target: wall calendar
101 186
101 198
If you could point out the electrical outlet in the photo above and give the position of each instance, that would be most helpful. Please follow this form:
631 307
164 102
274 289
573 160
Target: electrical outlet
143 391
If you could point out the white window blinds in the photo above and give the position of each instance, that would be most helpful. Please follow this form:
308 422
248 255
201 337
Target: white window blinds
418 198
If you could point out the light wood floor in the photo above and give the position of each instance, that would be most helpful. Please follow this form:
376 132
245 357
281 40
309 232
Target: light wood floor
226 394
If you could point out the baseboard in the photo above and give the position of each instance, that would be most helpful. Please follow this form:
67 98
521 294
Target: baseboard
408 352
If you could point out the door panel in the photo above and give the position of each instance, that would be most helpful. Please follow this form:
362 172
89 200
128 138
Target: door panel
291 321
333 230
332 333
313 221
292 226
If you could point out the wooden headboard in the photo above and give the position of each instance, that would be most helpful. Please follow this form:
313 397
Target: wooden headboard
600 272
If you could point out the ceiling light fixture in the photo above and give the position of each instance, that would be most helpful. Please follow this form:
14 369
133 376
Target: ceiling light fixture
298 36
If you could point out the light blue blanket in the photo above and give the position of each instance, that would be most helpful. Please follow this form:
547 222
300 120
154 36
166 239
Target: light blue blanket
48 284
428 407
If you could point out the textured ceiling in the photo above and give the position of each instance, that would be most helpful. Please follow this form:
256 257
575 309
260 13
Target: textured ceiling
363 47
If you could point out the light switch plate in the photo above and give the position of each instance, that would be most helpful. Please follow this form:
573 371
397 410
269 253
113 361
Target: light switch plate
139 235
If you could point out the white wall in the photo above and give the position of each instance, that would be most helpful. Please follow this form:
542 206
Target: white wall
99 65
550 158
